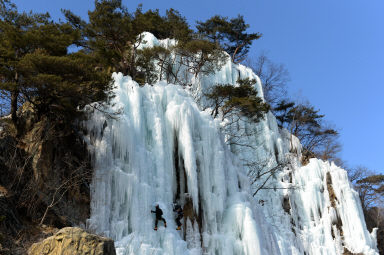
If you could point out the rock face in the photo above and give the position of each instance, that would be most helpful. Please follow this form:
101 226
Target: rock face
49 161
45 175
73 241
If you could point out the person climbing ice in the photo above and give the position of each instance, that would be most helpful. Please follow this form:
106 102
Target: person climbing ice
179 211
159 216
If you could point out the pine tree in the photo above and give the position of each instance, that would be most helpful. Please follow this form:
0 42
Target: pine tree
213 28
281 112
58 86
241 100
114 35
172 25
36 67
239 41
111 36
177 26
231 35
200 56
371 190
19 35
304 122
152 63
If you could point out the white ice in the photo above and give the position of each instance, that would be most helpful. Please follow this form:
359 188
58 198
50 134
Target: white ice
163 147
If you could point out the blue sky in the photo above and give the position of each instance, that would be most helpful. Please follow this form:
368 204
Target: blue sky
334 51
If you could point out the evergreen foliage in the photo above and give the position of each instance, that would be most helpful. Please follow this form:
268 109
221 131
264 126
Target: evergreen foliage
282 109
213 28
230 34
57 86
201 56
36 67
196 56
370 186
177 26
241 100
17 38
172 25
147 62
304 122
114 35
110 35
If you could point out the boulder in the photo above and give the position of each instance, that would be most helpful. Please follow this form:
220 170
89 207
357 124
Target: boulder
73 241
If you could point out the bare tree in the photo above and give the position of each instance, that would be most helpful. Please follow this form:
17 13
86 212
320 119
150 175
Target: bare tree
260 173
79 176
331 148
369 185
274 77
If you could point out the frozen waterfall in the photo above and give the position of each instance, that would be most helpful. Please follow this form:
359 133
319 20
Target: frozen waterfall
162 148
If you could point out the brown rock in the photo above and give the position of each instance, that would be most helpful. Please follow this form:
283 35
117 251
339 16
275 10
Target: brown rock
73 241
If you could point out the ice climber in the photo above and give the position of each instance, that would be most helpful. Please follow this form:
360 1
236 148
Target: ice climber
159 216
177 208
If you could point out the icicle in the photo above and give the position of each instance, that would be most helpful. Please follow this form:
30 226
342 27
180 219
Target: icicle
162 148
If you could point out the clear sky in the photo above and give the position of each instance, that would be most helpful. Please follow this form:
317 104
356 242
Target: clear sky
334 51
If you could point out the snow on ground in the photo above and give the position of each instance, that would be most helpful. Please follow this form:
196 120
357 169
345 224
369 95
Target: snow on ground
163 148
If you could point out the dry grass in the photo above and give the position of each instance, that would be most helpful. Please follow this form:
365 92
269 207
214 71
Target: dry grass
331 191
348 252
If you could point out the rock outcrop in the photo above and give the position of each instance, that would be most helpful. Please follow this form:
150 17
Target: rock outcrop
74 241
44 180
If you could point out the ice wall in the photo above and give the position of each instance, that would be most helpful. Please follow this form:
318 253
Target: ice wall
315 210
163 148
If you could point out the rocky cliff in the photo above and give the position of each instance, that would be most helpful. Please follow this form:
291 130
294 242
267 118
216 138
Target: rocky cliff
45 176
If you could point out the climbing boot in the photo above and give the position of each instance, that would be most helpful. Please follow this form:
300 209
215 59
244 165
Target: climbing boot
165 224
178 228
155 229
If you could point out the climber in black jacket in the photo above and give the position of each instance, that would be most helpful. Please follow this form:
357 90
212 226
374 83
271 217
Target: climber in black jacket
159 216
177 208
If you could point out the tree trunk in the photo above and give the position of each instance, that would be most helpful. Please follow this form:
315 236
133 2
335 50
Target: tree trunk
14 97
